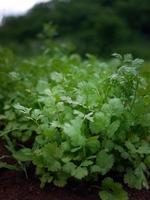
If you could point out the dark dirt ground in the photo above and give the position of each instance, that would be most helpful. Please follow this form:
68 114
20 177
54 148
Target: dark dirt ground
15 186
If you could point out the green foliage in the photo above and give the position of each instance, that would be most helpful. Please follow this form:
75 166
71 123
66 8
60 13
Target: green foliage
73 131
104 161
74 118
7 166
136 178
112 190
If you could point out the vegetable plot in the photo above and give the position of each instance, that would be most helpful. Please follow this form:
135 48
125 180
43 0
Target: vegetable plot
79 119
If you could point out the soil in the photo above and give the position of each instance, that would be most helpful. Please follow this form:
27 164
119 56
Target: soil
15 186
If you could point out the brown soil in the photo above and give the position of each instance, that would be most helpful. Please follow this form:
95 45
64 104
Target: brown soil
15 186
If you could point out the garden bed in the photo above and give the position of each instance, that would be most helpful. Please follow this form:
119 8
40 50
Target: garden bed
81 125
15 186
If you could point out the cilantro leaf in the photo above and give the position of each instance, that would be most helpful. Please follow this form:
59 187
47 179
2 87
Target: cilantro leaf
105 161
100 122
80 172
112 190
74 132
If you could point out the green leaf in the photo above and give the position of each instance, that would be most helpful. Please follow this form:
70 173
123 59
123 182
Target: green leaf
117 55
57 77
65 146
93 144
69 167
107 144
112 190
137 62
42 85
61 179
24 154
60 182
10 115
74 132
22 108
131 147
105 161
100 122
95 169
25 136
36 114
53 165
147 161
144 119
113 127
123 152
80 172
144 148
46 178
75 149
128 58
86 163
136 178
52 150
114 107
7 166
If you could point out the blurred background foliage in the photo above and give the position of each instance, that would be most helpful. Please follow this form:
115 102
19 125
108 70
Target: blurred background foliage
98 27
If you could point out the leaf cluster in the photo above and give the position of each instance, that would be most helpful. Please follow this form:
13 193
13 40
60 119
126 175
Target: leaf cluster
74 118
